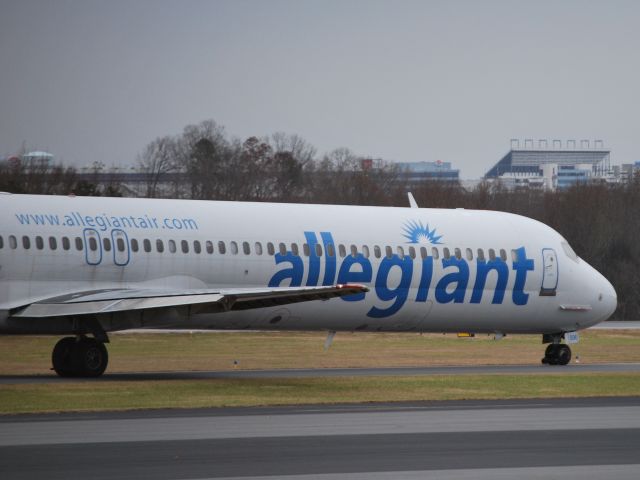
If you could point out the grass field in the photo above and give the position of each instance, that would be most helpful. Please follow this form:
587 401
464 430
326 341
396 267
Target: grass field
267 350
94 395
225 351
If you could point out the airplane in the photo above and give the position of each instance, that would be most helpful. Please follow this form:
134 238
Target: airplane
87 266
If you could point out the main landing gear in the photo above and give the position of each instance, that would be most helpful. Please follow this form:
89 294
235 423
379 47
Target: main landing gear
557 354
79 357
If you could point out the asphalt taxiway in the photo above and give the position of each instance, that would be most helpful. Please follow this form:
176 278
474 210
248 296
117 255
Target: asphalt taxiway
335 372
570 438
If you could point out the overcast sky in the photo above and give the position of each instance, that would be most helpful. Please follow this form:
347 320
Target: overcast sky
400 80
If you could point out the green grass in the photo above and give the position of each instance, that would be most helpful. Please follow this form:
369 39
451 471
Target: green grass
268 350
95 395
218 351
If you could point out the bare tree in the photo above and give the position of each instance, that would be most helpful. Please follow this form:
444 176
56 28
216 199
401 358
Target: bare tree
343 177
203 156
157 162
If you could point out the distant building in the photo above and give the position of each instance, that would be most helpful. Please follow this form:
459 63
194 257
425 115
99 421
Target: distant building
562 165
37 159
32 160
438 170
626 172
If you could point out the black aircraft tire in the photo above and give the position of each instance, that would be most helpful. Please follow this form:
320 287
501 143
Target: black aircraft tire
92 357
63 357
551 354
563 355
551 350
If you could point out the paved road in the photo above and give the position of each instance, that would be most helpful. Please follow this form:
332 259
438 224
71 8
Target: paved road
335 372
585 438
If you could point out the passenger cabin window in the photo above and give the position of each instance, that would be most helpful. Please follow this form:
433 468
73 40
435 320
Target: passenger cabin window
457 253
446 254
503 254
305 249
26 242
365 251
209 246
469 253
388 251
184 246
1 242
514 256
435 253
376 251
53 243
342 251
171 245
93 244
412 252
245 248
13 243
39 242
134 245
400 252
423 253
283 249
222 248
492 254
146 243
271 249
294 249
120 244
258 248
159 245
480 255
66 244
330 250
197 247
354 251
107 244
318 250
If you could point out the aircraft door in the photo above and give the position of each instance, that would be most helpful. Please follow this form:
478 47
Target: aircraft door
92 246
121 255
549 273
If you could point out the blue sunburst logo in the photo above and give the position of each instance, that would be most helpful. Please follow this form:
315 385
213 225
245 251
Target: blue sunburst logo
417 232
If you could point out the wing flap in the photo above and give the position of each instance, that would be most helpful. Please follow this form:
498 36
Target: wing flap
124 300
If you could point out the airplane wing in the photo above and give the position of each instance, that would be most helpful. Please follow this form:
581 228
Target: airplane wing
96 302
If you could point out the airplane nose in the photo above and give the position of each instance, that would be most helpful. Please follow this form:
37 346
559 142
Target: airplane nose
607 298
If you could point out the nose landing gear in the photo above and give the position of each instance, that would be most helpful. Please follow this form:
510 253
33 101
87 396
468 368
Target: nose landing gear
557 354
79 357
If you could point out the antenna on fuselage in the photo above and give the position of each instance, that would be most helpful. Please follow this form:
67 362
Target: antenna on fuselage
412 201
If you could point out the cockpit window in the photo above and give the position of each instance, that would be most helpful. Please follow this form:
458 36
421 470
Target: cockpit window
569 251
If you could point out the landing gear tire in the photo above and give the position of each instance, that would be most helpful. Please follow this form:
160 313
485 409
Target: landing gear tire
93 357
557 354
84 357
62 357
563 355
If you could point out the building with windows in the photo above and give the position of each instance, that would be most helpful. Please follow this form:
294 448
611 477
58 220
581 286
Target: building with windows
552 165
438 170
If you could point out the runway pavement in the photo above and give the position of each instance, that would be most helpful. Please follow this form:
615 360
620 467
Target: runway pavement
335 372
575 438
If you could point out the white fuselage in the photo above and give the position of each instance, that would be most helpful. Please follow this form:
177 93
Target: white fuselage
427 269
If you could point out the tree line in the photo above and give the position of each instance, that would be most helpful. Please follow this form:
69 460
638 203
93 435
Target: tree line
600 221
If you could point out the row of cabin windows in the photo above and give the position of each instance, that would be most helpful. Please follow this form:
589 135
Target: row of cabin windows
235 248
